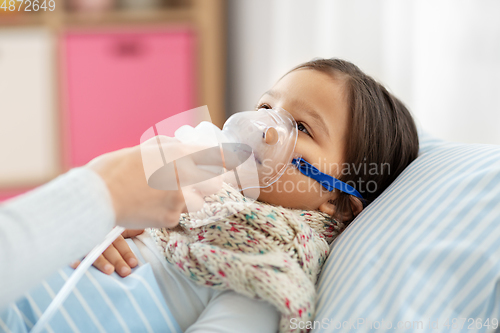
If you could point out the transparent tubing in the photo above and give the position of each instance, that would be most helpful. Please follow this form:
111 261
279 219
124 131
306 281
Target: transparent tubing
74 278
270 133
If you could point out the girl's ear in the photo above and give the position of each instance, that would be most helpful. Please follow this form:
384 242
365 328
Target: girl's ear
329 208
356 205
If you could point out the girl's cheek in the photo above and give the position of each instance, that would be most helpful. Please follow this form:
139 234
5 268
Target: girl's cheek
299 148
294 182
308 151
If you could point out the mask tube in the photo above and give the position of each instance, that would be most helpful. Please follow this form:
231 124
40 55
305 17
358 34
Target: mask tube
262 143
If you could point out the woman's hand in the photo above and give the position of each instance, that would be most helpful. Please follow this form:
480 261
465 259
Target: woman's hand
117 257
137 205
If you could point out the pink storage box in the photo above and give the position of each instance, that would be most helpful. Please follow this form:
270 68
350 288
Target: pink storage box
119 84
6 194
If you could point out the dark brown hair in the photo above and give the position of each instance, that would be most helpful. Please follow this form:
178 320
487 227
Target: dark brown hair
381 131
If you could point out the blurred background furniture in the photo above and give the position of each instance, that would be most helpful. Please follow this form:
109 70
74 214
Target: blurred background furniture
92 75
441 58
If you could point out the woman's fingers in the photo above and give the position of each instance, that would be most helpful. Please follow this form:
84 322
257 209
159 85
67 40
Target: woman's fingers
115 258
125 252
104 265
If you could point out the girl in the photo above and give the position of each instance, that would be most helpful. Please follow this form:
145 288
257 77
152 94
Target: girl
241 274
351 128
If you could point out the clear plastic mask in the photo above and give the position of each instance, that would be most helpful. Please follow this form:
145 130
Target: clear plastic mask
270 136
253 150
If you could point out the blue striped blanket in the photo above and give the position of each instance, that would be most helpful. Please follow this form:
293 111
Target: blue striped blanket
99 303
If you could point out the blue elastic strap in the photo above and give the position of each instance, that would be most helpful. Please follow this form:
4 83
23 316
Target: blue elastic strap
329 183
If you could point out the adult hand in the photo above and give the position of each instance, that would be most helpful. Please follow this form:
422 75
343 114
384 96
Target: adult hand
136 204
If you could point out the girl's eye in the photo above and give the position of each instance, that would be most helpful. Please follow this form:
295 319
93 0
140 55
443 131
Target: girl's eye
300 125
263 106
302 128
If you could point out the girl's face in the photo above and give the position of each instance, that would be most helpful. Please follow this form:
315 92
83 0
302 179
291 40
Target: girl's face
318 103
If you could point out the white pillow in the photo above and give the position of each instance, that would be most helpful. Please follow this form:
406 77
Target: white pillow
425 256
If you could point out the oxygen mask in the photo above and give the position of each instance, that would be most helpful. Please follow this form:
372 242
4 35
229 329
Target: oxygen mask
257 146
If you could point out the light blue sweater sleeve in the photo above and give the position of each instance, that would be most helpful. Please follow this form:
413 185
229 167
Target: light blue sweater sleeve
50 227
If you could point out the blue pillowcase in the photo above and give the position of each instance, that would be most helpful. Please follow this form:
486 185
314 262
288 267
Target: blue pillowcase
99 303
425 256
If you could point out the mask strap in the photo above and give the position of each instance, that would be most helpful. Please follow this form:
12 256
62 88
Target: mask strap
329 183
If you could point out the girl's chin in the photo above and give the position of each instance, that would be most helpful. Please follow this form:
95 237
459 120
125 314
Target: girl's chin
285 199
294 193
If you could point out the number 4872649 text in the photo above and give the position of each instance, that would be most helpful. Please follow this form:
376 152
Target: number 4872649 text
27 5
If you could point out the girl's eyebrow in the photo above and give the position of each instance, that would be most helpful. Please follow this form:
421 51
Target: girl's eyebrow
272 93
304 106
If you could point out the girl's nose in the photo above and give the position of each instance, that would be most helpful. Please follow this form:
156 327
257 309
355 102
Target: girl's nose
271 136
